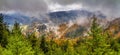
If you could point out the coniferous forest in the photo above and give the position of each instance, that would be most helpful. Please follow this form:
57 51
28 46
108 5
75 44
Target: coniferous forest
98 42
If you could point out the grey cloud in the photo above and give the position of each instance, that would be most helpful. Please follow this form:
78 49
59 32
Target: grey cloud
91 3
24 5
110 7
66 2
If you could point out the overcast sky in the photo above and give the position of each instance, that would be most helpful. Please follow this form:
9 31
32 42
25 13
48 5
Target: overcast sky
109 7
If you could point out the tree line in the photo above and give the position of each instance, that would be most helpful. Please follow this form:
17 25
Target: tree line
99 42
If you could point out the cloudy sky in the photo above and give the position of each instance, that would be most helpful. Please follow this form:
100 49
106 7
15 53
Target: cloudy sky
109 7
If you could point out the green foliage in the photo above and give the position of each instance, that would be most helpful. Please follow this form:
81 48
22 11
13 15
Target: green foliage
17 44
35 42
16 28
70 49
53 48
4 32
98 45
43 44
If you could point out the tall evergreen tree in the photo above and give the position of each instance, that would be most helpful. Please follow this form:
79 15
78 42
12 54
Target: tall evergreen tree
18 44
4 32
35 42
70 49
98 45
16 28
43 44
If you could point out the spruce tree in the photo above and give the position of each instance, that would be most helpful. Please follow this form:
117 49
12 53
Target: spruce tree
43 44
53 48
98 45
4 32
70 49
16 28
18 44
35 42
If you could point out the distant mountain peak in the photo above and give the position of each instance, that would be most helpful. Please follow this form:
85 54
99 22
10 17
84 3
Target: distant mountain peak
55 17
66 16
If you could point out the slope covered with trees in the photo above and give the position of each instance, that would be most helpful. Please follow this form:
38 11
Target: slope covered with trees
98 42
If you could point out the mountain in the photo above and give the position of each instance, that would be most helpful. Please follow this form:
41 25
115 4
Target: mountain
66 16
59 17
114 25
114 28
56 17
18 17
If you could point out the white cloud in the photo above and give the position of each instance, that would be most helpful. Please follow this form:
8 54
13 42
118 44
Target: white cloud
58 7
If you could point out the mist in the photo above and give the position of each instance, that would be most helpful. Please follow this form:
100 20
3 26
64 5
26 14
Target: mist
33 7
108 7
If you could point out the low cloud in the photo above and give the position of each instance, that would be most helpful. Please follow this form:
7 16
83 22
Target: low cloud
109 7
24 5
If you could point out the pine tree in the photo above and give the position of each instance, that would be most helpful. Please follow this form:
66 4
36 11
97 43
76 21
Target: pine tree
4 32
35 42
98 45
53 48
16 28
43 44
17 44
70 49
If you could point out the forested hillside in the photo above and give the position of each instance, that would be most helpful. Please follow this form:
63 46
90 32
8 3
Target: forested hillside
99 41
